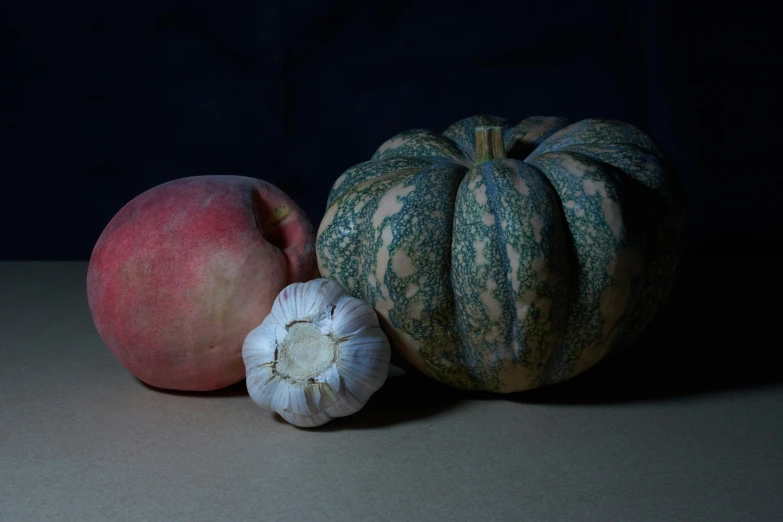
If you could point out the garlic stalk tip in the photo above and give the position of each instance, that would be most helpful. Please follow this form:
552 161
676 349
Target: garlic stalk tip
318 355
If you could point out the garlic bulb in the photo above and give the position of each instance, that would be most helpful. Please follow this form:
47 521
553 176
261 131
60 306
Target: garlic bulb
319 354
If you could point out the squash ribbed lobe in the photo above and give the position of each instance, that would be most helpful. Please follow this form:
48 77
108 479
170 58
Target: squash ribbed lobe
506 257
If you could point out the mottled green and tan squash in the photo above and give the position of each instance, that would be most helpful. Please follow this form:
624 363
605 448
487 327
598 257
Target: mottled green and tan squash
503 258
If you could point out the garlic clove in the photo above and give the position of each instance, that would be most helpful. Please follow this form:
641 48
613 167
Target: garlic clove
352 317
263 338
359 380
307 300
318 355
298 403
332 377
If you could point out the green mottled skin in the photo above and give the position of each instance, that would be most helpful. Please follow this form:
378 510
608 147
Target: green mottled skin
518 272
421 143
493 239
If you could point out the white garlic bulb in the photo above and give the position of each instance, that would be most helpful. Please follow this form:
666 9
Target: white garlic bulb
319 354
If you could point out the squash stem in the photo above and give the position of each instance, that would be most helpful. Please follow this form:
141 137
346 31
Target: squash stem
489 143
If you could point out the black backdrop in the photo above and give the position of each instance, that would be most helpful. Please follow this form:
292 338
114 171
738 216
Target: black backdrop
102 102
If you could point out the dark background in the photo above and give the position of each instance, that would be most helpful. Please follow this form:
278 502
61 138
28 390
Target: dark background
101 102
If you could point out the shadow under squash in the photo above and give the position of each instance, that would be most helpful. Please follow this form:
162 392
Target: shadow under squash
714 334
708 337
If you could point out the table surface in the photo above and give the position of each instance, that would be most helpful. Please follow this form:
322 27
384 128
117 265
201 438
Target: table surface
686 427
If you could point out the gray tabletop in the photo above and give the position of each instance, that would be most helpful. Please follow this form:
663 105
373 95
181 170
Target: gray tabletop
686 428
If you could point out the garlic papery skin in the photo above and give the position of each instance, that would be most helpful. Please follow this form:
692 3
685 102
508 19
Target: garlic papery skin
318 355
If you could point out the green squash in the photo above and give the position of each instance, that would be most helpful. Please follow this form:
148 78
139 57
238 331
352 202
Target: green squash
502 258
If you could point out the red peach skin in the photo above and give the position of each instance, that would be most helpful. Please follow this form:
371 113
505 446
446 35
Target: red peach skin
186 269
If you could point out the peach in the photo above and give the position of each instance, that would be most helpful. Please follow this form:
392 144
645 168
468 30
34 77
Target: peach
184 271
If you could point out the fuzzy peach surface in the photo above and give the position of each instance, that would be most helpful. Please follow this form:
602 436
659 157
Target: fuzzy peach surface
185 270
